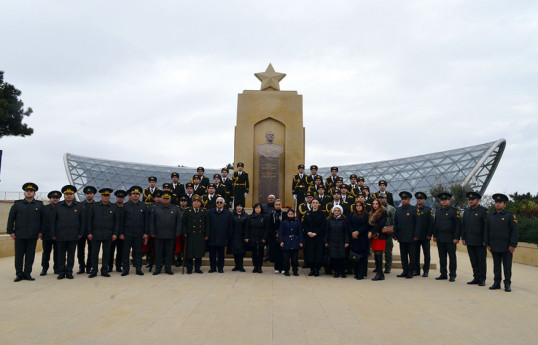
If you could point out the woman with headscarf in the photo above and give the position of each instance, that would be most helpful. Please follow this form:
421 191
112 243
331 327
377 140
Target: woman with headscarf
314 223
359 228
337 240
377 219
256 236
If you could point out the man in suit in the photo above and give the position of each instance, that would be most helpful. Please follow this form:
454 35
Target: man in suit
241 184
220 230
472 236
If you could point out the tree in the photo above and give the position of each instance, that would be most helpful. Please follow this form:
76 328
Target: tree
459 197
12 111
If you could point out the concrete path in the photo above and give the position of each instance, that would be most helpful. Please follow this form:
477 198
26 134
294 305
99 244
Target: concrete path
247 308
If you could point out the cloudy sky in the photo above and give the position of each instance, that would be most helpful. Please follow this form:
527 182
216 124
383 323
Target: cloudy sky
157 81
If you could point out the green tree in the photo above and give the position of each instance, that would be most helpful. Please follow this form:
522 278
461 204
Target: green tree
12 111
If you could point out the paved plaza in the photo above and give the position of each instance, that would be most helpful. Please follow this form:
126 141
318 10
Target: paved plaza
247 308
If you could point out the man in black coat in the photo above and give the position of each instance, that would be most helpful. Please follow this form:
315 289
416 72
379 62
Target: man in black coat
473 226
501 237
424 236
164 226
67 228
204 180
25 225
48 244
446 233
383 189
102 228
406 229
134 229
229 184
84 263
177 188
220 229
117 245
195 228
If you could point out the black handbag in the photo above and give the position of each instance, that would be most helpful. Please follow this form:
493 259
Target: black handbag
354 257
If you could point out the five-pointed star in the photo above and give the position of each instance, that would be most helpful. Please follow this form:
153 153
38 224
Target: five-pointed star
270 78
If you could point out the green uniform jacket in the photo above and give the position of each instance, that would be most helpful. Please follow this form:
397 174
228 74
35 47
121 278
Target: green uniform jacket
195 225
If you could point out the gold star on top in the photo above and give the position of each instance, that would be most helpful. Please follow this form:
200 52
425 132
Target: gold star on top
270 78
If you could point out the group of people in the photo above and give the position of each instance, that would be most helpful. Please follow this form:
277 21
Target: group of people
337 225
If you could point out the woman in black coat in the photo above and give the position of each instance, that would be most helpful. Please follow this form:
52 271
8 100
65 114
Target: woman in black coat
275 217
237 244
359 228
377 219
256 236
314 224
337 240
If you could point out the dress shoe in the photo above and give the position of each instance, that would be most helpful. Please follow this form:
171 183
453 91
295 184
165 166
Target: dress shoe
212 270
409 276
157 272
416 273
255 269
241 269
481 283
287 274
60 276
27 276
221 270
43 273
507 287
296 274
495 286
425 274
316 273
343 275
92 275
472 282
125 273
81 270
402 275
235 269
105 274
18 279
378 277
139 273
452 279
189 271
358 277
69 276
259 270
199 271
169 272
387 271
441 277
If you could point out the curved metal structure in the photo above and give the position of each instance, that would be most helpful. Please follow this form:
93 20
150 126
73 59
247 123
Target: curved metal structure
473 166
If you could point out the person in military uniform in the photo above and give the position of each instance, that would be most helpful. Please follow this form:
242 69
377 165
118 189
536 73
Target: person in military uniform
446 233
425 222
195 229
178 249
383 189
164 226
345 196
406 229
388 230
229 184
241 184
323 198
361 197
134 229
67 228
354 188
209 200
501 238
336 201
367 198
330 181
204 181
117 245
102 228
305 206
178 190
189 187
197 186
25 225
84 262
318 181
169 188
472 236
220 231
220 189
299 186
48 243
313 175
149 193
338 182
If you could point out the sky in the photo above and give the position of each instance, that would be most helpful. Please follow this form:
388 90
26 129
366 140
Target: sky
157 81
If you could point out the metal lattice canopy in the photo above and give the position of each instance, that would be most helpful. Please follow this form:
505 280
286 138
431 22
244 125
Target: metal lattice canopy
472 166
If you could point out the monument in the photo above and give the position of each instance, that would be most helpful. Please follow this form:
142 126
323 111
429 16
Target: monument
269 137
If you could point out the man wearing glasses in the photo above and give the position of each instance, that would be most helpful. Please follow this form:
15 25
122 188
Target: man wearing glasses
220 228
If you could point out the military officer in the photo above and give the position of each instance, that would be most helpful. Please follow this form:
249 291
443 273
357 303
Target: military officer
299 186
241 184
337 201
306 206
210 199
383 189
168 187
117 244
220 189
367 205
388 231
318 181
406 229
197 186
331 180
338 182
501 237
102 228
48 243
366 191
204 181
228 183
149 193
134 229
347 197
472 236
447 232
425 221
195 229
84 262
164 226
190 193
67 228
25 225
323 198
354 188
313 175
178 190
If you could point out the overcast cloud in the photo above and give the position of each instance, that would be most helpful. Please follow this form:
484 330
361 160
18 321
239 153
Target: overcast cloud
157 82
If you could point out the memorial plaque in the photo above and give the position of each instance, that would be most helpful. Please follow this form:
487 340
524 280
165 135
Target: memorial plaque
268 168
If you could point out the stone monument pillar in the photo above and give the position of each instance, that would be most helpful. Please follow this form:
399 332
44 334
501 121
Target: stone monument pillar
269 138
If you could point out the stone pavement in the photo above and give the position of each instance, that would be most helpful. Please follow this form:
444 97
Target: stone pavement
247 308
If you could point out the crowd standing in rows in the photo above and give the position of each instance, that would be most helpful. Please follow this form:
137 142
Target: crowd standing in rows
337 225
